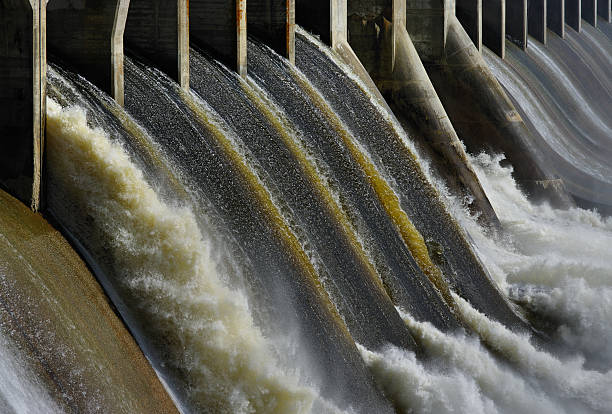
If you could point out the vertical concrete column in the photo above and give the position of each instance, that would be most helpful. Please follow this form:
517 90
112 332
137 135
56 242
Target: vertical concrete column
555 16
427 25
273 21
89 35
589 11
573 14
516 22
158 30
22 98
220 27
469 13
536 15
338 17
494 26
604 9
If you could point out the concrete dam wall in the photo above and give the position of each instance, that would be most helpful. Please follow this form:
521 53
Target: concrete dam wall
305 206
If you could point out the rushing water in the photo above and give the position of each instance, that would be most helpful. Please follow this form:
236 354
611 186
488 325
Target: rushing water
564 92
276 244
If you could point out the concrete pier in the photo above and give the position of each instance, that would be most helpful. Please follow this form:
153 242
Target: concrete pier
469 13
89 36
427 24
220 27
555 16
516 22
22 98
604 9
273 21
589 11
536 23
158 30
573 14
494 26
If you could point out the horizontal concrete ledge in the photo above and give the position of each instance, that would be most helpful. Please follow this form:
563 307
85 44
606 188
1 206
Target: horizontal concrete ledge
573 14
604 9
537 16
589 11
158 30
273 21
220 27
516 22
494 26
91 39
22 98
555 16
469 14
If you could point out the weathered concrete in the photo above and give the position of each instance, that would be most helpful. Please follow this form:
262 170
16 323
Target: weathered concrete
494 26
589 11
483 116
427 25
273 21
89 35
158 30
516 22
59 319
537 16
555 16
220 27
22 98
469 13
573 13
384 46
604 9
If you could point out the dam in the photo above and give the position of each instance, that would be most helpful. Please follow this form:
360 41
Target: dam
305 206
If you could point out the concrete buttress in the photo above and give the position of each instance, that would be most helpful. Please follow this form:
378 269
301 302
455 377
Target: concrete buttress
158 30
494 26
537 16
516 22
469 13
22 98
273 21
555 16
88 35
220 27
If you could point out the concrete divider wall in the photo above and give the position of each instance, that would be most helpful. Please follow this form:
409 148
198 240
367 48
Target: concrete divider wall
494 26
469 13
158 30
604 9
573 14
589 11
516 22
219 26
427 24
273 21
22 98
89 36
536 19
555 16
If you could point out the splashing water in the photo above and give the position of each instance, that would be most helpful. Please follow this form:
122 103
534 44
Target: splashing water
163 266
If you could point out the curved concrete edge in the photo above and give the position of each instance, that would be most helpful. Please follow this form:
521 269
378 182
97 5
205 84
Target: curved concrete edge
483 115
56 313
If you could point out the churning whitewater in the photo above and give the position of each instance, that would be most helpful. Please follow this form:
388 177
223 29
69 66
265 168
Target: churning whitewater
333 259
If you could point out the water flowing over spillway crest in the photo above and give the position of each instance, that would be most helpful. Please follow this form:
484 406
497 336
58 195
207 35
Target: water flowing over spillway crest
275 243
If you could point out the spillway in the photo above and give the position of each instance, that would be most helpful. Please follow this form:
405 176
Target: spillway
563 90
277 243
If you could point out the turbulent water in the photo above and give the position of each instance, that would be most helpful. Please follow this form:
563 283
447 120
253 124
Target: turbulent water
277 245
21 389
564 92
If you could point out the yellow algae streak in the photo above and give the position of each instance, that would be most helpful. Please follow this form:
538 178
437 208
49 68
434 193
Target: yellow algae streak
165 273
387 197
282 126
278 222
